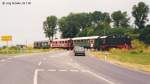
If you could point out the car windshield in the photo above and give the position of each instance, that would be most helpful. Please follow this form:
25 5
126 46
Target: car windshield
78 48
81 48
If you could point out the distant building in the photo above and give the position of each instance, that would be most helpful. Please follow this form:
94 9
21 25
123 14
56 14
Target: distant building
21 46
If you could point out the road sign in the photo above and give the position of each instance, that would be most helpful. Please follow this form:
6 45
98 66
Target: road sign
6 38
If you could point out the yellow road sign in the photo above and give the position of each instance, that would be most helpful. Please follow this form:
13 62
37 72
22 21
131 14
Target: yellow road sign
6 38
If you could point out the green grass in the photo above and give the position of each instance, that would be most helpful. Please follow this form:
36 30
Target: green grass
14 51
138 59
132 57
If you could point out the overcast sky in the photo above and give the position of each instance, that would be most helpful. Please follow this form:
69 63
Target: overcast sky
24 23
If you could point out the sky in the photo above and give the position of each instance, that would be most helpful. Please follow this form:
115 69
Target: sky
24 22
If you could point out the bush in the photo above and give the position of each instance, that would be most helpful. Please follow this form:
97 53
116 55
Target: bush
145 35
118 51
138 47
136 44
13 48
147 49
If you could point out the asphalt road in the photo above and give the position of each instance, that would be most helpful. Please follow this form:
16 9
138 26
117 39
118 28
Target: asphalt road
61 67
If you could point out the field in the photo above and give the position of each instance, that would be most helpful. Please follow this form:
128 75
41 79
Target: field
137 58
16 51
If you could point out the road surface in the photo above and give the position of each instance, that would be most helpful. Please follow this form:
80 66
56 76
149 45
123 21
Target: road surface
61 67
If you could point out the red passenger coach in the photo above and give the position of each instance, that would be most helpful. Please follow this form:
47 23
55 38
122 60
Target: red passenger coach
62 43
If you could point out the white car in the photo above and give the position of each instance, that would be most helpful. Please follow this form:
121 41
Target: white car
79 51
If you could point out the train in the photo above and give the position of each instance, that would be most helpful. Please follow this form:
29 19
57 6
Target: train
41 44
89 42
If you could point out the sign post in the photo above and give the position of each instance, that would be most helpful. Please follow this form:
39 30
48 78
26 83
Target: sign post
106 55
6 38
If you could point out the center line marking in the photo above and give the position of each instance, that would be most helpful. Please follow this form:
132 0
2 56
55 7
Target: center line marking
36 75
74 70
9 58
63 70
52 70
39 63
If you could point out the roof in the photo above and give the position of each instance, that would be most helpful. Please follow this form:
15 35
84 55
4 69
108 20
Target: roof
84 38
62 39
103 36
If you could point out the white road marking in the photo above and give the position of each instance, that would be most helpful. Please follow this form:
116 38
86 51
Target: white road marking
100 77
9 58
36 75
35 80
3 60
76 65
39 63
63 70
52 70
74 70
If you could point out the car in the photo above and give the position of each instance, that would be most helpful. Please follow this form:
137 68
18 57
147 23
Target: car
79 51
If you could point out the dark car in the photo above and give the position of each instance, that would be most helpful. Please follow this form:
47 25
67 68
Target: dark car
79 51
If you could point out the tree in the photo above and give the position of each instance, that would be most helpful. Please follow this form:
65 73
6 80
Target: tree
88 31
106 20
83 19
46 29
69 26
49 26
100 22
96 17
140 13
145 34
120 19
120 31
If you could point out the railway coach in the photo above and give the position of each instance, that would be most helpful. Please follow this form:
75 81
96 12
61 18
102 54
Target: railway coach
62 43
41 44
86 42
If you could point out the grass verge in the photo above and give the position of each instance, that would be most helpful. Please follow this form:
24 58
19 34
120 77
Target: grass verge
135 59
15 52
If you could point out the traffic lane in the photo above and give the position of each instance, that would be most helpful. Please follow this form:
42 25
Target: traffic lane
35 58
19 70
57 60
62 62
113 72
4 58
67 77
16 72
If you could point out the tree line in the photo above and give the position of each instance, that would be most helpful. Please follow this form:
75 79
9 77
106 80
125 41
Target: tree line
101 23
